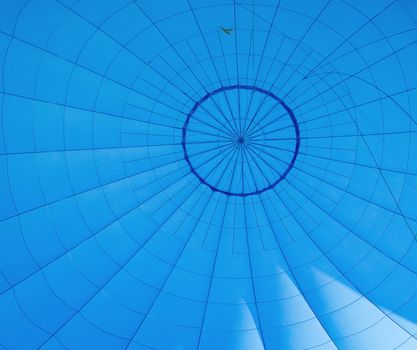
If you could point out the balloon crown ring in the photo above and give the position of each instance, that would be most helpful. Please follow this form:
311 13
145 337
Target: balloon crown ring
235 155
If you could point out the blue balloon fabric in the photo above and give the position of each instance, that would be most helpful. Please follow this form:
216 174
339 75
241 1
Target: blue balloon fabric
211 174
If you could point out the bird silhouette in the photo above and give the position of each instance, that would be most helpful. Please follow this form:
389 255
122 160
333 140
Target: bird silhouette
227 31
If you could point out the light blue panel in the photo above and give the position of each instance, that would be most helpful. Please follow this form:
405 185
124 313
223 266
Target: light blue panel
175 310
366 339
104 11
34 297
8 18
87 178
40 236
128 296
116 242
83 98
87 264
53 173
90 335
228 290
174 335
18 133
68 222
49 128
187 285
69 291
38 32
93 204
285 312
53 78
98 52
291 337
280 286
106 130
230 317
16 259
78 128
20 75
231 339
123 24
110 320
7 206
120 204
14 320
74 43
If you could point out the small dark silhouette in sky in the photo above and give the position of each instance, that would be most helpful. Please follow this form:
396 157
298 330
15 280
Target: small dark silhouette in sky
227 31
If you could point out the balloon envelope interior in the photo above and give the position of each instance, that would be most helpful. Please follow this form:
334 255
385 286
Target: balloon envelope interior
208 174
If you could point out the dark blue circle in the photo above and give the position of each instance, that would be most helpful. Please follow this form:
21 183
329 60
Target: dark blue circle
243 87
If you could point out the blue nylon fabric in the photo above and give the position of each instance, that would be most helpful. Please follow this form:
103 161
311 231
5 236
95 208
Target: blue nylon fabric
209 174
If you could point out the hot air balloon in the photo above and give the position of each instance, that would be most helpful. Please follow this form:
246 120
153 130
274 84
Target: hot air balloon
166 186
